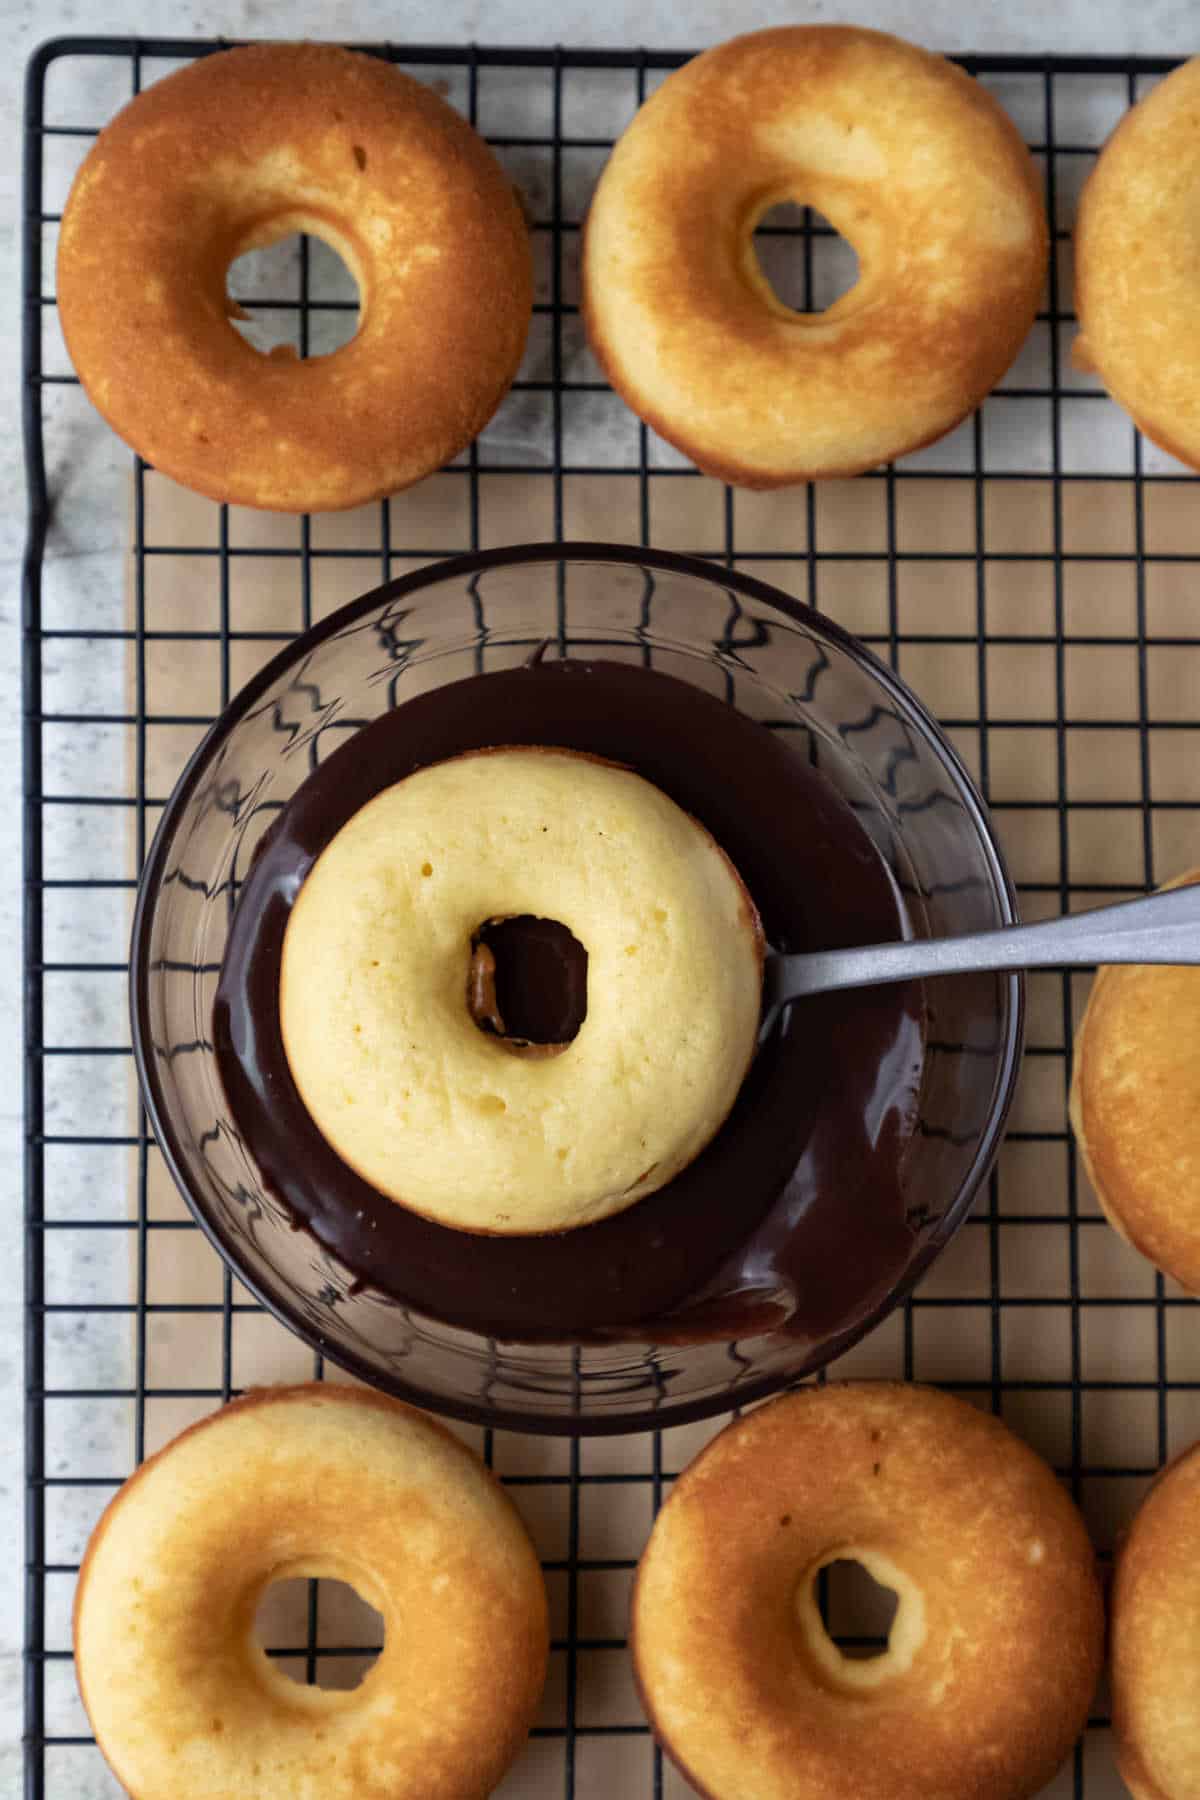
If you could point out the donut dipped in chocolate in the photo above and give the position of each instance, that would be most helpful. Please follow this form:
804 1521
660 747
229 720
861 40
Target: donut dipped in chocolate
383 950
793 1216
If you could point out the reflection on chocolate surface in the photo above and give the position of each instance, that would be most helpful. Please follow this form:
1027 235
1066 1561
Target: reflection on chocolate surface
794 1216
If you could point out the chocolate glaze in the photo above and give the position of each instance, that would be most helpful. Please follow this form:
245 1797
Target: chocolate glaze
538 979
793 1218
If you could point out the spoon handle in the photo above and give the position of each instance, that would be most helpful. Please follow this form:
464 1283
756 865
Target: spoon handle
1161 928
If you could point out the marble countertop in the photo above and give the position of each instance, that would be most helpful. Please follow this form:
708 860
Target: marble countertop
85 552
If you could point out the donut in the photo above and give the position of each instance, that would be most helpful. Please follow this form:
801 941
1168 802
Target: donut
316 1481
1135 1107
381 1011
910 160
997 1639
1137 287
233 153
1155 1645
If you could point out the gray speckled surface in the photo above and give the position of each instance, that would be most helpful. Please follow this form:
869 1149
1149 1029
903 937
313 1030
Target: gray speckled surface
84 583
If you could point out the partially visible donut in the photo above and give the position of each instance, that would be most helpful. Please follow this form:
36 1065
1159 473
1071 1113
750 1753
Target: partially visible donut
1135 1107
385 1048
1155 1614
233 153
910 160
317 1481
1137 265
995 1647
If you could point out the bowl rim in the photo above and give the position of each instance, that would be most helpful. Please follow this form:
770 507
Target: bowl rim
661 1413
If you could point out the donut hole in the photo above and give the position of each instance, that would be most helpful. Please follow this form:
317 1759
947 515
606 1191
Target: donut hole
861 1618
806 263
318 1633
857 1611
527 984
296 297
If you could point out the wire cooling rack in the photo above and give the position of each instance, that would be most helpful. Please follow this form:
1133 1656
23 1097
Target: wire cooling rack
1033 577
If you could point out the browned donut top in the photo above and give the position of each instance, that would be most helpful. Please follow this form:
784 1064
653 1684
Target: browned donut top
234 152
1137 264
996 1644
1135 1107
319 1480
1156 1640
911 160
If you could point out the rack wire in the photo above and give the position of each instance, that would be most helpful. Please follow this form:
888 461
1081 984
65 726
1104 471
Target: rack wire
1033 577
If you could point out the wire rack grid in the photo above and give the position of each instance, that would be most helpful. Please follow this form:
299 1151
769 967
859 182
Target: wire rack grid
1032 576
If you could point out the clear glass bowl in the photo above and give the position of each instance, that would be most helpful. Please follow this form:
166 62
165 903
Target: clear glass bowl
764 653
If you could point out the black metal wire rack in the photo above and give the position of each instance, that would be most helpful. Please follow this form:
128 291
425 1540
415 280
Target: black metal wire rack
1034 577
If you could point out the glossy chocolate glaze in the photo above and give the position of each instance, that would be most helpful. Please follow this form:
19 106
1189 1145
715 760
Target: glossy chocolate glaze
793 1218
538 979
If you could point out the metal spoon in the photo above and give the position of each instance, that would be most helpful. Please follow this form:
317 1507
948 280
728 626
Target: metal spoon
1162 928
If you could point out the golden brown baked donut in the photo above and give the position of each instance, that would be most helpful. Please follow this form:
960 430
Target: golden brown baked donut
997 1639
1137 280
373 992
1135 1107
1155 1643
913 163
318 1481
233 153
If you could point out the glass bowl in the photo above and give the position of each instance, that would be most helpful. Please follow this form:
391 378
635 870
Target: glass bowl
773 659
